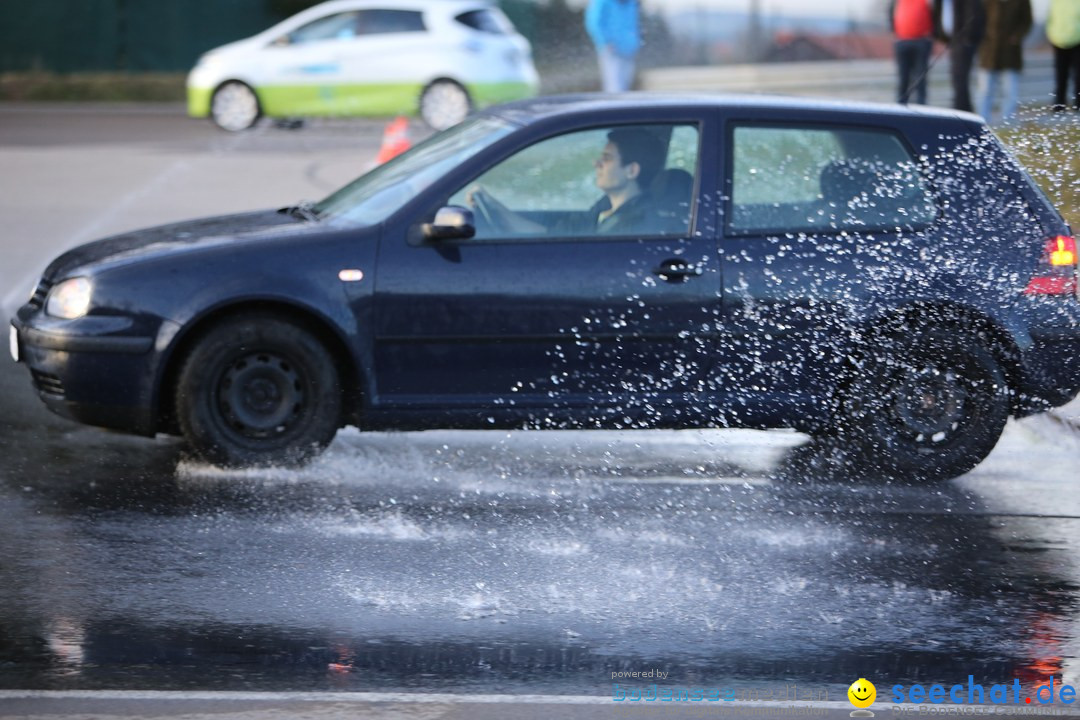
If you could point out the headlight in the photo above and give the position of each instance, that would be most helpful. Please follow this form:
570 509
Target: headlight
70 299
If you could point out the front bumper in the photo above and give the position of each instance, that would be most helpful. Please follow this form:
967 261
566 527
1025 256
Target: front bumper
89 370
198 101
201 82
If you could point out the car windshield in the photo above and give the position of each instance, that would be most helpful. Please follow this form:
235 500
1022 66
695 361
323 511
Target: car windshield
372 198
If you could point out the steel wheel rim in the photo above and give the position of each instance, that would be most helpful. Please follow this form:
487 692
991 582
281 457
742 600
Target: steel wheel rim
928 405
261 395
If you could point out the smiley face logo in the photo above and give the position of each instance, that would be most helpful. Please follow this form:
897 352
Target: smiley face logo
862 693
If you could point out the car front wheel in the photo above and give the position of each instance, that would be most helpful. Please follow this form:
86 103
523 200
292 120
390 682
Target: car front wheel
443 104
258 390
234 107
926 407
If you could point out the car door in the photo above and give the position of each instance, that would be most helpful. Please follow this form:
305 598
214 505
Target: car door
303 70
821 221
379 72
586 326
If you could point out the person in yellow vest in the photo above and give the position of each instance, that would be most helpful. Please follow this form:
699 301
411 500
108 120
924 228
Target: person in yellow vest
1063 31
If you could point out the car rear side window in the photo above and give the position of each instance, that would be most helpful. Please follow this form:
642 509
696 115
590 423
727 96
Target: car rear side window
487 21
822 179
377 22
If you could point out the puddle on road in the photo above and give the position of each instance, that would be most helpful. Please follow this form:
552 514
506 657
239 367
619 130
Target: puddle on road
528 562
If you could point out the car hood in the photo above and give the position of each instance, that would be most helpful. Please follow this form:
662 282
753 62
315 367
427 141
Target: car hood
174 237
228 48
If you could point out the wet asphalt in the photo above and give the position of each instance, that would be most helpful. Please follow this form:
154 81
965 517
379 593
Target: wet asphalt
480 563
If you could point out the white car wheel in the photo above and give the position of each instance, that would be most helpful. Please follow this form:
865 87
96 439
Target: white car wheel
444 104
234 107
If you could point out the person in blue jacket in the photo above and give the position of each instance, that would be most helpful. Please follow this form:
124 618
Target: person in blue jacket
614 28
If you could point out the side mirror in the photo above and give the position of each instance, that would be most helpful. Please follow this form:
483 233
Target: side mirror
282 41
451 222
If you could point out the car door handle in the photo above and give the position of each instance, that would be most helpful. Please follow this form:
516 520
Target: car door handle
677 270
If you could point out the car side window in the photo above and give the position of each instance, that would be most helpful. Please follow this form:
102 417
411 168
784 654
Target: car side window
486 20
803 179
378 22
622 180
340 26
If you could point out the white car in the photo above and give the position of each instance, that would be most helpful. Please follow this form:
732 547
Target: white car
438 58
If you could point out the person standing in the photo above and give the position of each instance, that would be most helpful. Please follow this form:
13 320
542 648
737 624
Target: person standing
614 28
1001 56
1063 31
913 24
960 23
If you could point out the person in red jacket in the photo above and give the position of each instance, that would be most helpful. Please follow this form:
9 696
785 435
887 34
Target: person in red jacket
913 24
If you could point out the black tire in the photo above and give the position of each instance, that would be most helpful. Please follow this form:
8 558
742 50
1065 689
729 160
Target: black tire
443 104
258 390
926 407
235 107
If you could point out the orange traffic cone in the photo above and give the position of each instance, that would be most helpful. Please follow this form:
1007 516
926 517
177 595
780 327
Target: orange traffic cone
395 140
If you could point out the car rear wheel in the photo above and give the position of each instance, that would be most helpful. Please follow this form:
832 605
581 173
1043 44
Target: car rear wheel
443 104
258 390
928 406
234 107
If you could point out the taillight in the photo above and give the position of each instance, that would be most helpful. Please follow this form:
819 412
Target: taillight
1062 251
1057 269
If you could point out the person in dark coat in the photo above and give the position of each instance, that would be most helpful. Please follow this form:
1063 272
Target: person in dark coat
1001 55
961 24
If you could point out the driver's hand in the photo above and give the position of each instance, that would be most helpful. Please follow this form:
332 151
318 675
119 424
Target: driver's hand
471 193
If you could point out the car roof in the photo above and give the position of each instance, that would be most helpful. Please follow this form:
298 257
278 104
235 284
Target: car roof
534 109
447 6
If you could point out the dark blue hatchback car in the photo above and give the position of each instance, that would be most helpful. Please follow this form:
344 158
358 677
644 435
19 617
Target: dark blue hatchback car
886 276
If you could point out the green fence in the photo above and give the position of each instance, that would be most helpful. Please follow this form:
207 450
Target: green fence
65 36
148 41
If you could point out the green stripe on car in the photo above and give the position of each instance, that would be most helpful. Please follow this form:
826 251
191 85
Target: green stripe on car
366 99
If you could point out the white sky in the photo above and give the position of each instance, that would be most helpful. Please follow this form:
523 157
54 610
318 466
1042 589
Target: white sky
860 9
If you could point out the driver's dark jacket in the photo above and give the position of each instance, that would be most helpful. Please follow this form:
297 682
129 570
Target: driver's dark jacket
636 215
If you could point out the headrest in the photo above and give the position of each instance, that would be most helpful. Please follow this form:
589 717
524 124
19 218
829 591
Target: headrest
672 184
844 180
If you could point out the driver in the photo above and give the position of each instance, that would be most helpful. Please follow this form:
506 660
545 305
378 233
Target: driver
625 167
